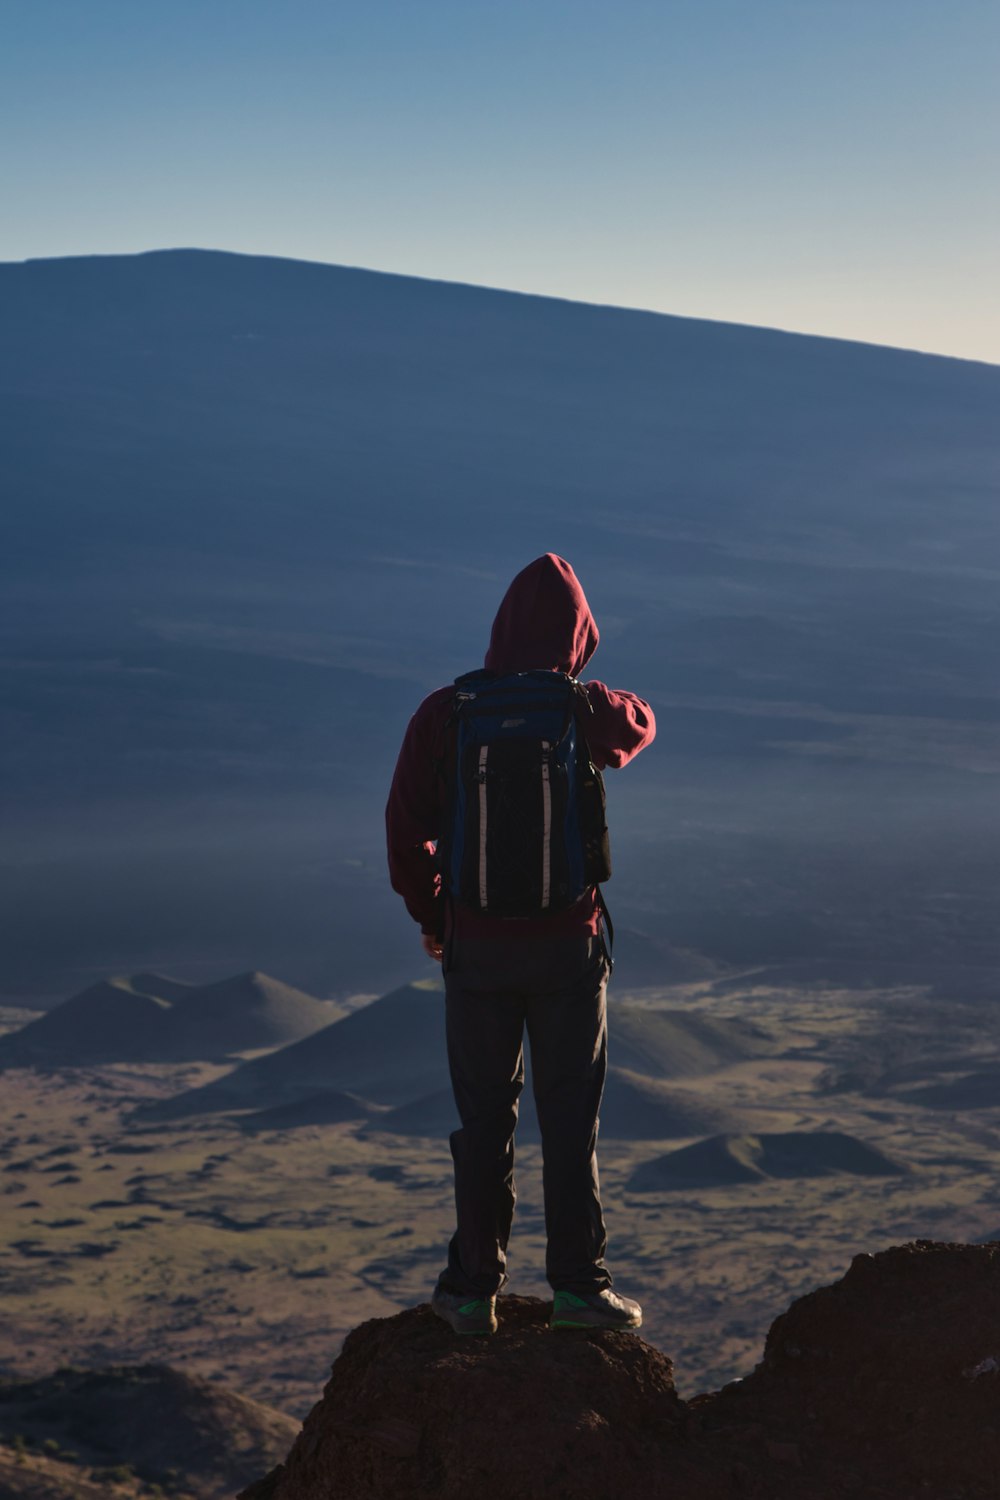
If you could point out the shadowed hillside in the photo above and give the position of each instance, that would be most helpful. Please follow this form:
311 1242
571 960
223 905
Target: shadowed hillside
147 1018
328 1108
669 1043
160 985
633 1108
108 1021
389 1051
132 1426
749 1158
393 1052
248 1011
980 1090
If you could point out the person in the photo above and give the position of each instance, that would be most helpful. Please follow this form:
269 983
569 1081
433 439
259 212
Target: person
547 974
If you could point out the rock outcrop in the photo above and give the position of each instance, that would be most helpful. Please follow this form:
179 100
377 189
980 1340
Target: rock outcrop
883 1386
412 1410
133 1425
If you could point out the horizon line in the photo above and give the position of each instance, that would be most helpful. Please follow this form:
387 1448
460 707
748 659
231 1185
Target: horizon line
650 312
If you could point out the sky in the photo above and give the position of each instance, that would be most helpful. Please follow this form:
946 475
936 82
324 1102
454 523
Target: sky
827 166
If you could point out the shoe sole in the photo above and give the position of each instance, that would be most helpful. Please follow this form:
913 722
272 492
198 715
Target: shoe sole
466 1332
614 1327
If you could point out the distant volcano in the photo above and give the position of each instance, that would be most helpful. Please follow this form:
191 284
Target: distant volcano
393 1052
728 1159
258 507
150 1018
389 1051
634 1108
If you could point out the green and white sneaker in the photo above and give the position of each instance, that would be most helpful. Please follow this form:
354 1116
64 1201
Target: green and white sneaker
465 1314
594 1310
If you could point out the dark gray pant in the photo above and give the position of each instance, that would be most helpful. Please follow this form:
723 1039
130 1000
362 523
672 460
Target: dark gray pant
557 988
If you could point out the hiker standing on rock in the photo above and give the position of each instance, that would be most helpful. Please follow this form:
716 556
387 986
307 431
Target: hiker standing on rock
497 844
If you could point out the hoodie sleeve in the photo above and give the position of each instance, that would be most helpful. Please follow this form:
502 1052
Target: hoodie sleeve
413 816
622 725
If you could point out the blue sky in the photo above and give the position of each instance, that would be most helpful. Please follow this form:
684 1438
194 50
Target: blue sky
823 165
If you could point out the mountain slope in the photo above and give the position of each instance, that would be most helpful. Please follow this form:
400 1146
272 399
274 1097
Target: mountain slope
726 1159
107 1022
259 507
248 1011
634 1108
390 1051
668 1043
164 1425
330 1107
393 1052
121 1019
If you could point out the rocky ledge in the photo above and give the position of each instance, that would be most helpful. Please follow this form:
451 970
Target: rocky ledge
883 1386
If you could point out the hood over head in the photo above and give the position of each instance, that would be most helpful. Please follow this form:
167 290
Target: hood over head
544 622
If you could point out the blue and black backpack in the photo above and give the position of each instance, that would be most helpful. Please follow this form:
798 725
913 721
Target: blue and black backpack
525 830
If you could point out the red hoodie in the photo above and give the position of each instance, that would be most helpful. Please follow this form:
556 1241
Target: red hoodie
543 622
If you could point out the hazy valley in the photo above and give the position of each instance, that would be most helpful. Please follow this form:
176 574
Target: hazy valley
164 1212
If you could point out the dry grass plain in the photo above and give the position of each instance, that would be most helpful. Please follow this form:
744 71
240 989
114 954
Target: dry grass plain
247 1258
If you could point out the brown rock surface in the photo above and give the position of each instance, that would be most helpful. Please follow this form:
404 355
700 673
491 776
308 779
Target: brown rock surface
412 1410
872 1381
883 1386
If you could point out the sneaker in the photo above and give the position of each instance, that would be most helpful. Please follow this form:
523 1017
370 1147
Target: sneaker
594 1310
465 1314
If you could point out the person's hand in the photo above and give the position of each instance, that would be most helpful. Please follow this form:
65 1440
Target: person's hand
433 947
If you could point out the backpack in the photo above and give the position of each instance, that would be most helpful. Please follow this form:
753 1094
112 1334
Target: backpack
524 832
